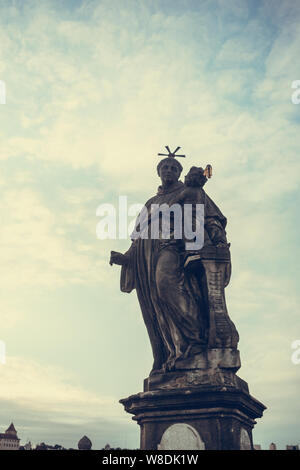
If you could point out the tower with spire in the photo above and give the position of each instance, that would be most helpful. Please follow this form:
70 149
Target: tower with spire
9 440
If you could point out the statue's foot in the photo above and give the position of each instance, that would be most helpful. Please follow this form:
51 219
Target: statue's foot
170 364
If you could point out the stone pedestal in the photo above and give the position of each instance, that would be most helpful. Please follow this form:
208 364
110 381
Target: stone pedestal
213 416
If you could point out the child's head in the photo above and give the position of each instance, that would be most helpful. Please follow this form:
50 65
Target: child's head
195 177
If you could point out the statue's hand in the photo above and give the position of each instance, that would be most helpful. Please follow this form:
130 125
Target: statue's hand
118 258
222 244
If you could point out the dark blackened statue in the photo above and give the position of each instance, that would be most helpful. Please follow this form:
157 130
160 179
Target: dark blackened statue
180 291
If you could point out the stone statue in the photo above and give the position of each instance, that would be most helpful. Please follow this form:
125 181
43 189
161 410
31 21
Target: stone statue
193 398
180 291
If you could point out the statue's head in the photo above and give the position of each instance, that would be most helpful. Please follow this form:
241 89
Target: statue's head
195 177
169 170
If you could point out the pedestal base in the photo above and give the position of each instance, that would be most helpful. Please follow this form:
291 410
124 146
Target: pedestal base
212 417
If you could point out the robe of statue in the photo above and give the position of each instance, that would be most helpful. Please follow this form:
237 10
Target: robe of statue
172 299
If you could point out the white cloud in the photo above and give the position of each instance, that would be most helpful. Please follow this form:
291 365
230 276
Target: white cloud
38 250
53 392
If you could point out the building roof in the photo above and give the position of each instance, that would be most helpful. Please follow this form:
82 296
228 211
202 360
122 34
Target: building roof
10 433
9 436
84 443
11 429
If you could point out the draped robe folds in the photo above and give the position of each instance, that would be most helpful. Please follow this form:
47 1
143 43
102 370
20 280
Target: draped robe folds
172 300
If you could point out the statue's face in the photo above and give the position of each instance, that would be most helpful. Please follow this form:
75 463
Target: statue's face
169 173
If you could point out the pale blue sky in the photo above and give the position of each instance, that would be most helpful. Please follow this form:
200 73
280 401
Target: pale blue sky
95 89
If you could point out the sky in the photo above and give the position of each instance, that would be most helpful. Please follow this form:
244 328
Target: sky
94 90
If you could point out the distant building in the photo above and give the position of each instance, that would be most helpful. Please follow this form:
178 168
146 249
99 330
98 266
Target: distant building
28 446
272 446
257 447
296 447
9 440
43 446
85 443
